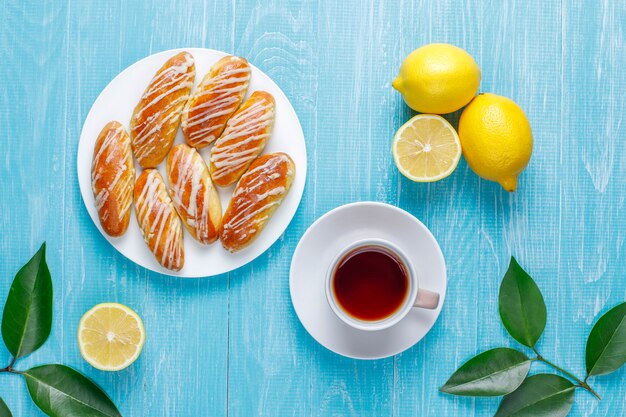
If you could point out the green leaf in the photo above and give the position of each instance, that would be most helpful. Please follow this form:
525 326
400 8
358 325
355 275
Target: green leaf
522 309
27 317
61 391
606 346
4 410
542 395
492 373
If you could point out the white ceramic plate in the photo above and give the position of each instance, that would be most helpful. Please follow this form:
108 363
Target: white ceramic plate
333 232
117 101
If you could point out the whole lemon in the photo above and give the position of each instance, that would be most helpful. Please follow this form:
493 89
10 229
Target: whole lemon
438 78
496 139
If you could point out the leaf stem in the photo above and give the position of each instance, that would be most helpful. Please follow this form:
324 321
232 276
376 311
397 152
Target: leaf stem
558 368
581 384
10 369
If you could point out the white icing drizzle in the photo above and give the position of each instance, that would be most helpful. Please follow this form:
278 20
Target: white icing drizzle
252 207
244 138
147 133
165 226
122 184
191 172
202 122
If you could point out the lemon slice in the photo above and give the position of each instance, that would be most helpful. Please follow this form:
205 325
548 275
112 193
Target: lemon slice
426 148
111 336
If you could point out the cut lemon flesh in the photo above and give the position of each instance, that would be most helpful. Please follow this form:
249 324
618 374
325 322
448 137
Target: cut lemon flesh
111 336
426 148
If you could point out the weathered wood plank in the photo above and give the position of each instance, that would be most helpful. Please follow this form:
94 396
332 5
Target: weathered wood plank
33 172
233 345
593 164
451 209
269 351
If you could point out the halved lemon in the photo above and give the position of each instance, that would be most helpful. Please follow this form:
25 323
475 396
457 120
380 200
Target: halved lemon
426 148
111 336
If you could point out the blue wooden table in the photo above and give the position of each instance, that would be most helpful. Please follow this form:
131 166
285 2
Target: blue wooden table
232 345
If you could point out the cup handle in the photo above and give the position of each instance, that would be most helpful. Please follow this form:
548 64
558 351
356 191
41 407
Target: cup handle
426 299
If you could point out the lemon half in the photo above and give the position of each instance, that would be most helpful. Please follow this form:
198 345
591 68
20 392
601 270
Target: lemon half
426 148
111 336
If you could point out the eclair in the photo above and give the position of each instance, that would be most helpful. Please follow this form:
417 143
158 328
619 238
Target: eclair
257 196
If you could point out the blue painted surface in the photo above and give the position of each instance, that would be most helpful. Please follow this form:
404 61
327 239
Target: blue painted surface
232 345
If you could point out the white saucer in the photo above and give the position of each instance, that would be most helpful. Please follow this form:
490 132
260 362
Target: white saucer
117 101
332 232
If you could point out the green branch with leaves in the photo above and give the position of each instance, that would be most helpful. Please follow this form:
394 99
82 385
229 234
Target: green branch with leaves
58 390
504 371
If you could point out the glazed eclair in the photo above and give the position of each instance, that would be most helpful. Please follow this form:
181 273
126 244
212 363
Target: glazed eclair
214 101
243 140
156 117
158 221
258 194
195 198
112 178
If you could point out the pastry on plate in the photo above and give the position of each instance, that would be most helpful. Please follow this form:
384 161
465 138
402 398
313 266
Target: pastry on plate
258 194
195 198
158 221
214 101
156 117
112 178
243 139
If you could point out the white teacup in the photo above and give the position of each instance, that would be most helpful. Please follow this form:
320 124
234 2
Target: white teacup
416 296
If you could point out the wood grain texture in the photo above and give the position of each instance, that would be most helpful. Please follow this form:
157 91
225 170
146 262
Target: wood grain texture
232 345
